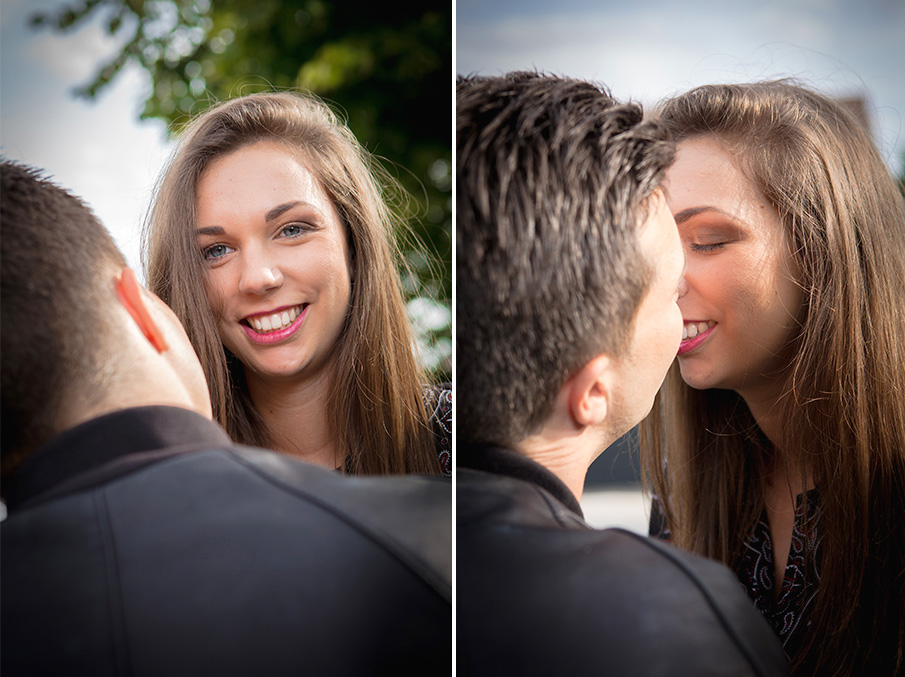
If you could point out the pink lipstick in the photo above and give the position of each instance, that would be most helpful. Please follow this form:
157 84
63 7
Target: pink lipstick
690 344
272 337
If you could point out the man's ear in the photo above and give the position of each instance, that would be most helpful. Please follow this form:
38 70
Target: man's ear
129 292
591 392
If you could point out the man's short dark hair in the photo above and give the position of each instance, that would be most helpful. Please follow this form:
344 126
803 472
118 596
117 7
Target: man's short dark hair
52 315
553 178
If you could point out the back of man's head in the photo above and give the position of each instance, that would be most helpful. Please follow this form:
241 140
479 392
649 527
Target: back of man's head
553 178
56 264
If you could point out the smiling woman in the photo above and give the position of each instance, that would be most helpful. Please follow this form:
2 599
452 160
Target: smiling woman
271 241
778 442
743 298
279 270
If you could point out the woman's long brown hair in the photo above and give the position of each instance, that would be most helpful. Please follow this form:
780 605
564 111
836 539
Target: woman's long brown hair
843 393
376 407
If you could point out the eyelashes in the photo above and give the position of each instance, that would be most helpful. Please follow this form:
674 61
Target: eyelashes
706 248
296 229
215 251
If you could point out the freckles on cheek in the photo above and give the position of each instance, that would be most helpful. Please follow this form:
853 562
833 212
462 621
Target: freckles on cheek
746 287
744 301
339 279
216 298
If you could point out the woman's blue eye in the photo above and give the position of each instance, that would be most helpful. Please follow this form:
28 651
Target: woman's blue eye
215 252
292 230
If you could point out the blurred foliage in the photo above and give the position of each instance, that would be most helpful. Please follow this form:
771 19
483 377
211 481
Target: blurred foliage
388 69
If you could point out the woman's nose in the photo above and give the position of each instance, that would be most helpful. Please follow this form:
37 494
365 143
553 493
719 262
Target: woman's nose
260 276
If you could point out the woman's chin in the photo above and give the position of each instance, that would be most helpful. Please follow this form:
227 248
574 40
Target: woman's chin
695 378
272 370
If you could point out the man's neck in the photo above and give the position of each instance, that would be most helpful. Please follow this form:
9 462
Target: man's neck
82 406
568 456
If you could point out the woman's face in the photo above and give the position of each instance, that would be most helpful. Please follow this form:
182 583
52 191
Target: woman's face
742 299
278 264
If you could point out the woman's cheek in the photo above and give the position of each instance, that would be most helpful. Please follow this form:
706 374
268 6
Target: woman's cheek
216 292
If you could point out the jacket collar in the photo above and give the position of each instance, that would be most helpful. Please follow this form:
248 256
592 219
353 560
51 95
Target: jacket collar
106 439
501 461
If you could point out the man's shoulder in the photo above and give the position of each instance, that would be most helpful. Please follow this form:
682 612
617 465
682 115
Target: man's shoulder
260 558
358 493
485 500
611 598
269 471
411 515
246 492
503 521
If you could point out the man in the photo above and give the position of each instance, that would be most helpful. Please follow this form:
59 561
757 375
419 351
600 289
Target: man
568 270
139 539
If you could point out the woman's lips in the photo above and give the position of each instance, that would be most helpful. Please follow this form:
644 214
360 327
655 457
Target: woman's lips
693 336
270 337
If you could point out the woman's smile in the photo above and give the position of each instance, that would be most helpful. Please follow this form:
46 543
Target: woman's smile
270 328
694 334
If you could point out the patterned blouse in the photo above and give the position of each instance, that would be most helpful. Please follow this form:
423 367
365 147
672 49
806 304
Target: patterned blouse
438 400
789 612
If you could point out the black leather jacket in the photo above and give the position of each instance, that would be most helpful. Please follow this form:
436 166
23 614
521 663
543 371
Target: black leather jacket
145 543
539 592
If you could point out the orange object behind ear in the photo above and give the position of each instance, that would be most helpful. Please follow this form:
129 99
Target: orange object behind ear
129 292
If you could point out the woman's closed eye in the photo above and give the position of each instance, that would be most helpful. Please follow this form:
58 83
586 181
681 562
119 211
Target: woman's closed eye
706 248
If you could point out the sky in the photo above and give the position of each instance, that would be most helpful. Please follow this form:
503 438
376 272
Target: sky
647 51
98 149
644 51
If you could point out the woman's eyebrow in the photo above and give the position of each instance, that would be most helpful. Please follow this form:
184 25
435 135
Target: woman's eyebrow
280 209
269 216
686 214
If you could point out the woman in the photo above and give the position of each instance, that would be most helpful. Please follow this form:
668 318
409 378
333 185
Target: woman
270 239
778 442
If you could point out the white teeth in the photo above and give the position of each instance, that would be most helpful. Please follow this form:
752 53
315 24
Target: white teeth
275 322
692 329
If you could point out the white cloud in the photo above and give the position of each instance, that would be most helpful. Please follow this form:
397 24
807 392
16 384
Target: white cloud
72 57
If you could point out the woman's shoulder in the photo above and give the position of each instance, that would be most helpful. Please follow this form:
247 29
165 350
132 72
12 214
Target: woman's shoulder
438 401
